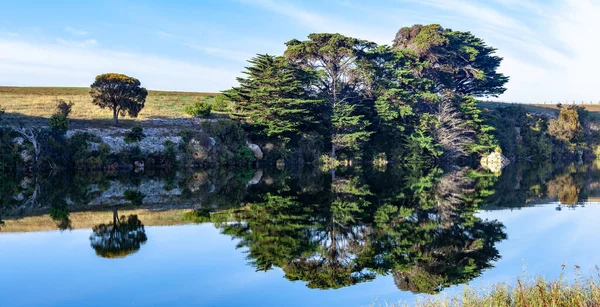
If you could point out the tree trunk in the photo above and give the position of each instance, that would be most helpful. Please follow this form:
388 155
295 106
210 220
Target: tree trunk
116 116
115 216
332 150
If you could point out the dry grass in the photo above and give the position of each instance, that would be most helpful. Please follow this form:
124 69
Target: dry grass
583 292
38 103
88 219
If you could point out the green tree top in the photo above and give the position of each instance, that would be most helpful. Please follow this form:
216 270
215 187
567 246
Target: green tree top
120 93
457 60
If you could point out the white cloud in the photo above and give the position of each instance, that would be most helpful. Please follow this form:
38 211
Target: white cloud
76 43
76 32
27 64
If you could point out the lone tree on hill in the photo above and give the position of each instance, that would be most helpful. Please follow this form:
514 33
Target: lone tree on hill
121 93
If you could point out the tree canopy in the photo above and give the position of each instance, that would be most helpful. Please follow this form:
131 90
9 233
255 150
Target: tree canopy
120 93
413 101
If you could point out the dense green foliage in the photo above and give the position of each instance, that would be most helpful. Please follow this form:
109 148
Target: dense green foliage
134 135
274 100
530 137
199 109
59 123
413 101
120 93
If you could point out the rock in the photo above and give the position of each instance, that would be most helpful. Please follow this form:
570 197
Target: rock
26 156
258 154
495 162
138 166
19 197
18 140
280 164
256 178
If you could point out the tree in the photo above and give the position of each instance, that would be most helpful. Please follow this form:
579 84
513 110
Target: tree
273 97
122 237
460 67
456 60
120 93
336 59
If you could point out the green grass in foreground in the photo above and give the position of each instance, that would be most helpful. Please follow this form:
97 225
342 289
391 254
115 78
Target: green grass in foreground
584 291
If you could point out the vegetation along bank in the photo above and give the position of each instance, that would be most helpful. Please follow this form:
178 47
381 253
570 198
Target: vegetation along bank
328 100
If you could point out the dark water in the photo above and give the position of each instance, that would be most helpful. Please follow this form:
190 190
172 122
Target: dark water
295 238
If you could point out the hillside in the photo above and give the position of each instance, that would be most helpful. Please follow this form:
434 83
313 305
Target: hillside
33 105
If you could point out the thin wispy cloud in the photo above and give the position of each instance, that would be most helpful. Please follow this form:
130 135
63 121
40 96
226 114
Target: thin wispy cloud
60 65
237 56
77 43
321 23
76 32
163 34
549 47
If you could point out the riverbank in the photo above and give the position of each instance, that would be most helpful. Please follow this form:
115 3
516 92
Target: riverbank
583 292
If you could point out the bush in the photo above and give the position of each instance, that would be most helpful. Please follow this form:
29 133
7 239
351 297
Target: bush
63 107
59 123
221 103
199 109
2 110
134 197
244 156
567 127
134 135
197 216
229 132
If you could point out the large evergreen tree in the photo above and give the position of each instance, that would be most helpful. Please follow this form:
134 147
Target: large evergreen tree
336 58
274 99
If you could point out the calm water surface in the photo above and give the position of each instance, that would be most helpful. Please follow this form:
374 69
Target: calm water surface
218 238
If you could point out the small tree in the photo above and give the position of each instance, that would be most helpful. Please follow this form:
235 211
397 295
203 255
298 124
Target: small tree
63 107
120 93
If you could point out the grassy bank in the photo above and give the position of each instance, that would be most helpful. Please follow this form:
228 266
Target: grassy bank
36 104
584 291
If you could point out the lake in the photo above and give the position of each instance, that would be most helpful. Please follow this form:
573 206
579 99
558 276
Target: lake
354 237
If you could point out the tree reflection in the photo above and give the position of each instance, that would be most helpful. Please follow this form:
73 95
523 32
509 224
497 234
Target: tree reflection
119 239
420 228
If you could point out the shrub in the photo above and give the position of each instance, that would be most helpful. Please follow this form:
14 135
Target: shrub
221 103
229 132
2 110
59 123
134 197
197 216
134 135
567 127
64 108
244 156
199 109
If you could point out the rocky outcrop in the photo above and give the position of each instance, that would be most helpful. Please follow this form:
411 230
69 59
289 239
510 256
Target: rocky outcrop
153 142
258 154
494 162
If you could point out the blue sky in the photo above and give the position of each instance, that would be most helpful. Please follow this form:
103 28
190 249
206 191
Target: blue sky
549 46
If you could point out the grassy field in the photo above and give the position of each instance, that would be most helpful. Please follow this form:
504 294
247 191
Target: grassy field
88 219
34 105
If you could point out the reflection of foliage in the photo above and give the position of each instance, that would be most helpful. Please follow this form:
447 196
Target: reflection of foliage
122 237
135 197
60 214
197 216
565 188
348 231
